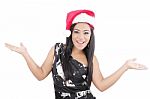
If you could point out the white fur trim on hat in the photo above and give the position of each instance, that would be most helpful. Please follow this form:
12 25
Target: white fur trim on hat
83 17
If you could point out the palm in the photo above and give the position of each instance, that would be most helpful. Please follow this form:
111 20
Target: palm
19 50
132 65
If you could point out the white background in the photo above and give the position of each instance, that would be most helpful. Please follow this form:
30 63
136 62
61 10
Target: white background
121 32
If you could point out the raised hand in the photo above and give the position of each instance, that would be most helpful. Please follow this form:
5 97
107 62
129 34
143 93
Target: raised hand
21 50
131 64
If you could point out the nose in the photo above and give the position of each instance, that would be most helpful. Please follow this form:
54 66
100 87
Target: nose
81 36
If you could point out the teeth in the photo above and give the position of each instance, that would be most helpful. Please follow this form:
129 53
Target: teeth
80 42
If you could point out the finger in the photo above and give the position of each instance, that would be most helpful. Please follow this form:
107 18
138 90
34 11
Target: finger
21 44
134 59
11 47
131 60
145 67
141 67
8 45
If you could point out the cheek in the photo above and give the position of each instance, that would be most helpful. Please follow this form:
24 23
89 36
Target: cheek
88 38
73 38
74 35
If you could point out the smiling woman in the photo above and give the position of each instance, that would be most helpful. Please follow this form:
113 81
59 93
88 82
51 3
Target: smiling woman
74 66
81 35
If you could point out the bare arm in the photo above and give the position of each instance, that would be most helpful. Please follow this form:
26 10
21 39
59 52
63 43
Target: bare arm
104 83
40 72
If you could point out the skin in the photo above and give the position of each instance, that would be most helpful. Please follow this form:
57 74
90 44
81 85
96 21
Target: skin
80 37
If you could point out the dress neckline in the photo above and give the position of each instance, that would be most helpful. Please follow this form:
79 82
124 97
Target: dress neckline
85 66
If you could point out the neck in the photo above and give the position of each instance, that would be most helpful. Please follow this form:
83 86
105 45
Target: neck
77 51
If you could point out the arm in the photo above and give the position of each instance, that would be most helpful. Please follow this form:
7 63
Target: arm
40 72
104 83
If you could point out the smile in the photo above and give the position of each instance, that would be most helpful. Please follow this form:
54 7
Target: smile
79 42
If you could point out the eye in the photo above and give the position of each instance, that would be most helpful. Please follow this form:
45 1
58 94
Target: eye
86 33
75 31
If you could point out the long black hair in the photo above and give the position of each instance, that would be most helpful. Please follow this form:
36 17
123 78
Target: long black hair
88 50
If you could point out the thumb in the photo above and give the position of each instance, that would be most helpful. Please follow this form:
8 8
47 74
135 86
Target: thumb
131 60
134 59
21 44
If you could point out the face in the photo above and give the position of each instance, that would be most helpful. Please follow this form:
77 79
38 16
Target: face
81 35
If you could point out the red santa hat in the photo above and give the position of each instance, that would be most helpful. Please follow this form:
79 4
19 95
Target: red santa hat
77 16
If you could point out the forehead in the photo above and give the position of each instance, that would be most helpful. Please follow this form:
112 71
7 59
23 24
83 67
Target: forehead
82 26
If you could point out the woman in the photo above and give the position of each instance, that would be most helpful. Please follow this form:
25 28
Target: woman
74 65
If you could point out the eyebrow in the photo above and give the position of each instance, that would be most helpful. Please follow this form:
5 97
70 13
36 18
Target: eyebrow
76 30
83 30
86 30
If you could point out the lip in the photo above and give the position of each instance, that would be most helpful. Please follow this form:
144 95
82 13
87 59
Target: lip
80 42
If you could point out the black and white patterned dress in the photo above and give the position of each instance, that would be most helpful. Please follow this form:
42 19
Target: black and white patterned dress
74 88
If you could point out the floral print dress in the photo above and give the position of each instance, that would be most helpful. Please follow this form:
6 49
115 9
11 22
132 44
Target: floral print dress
74 88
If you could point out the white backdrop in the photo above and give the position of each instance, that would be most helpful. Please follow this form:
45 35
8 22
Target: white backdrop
121 32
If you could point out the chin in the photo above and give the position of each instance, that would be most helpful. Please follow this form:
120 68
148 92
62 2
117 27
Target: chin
80 48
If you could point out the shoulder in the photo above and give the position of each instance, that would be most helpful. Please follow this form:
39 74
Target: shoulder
94 58
51 51
95 61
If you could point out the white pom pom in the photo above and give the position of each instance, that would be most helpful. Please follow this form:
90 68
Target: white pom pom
67 33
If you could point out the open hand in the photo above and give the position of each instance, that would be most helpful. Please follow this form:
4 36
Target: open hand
20 50
131 64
